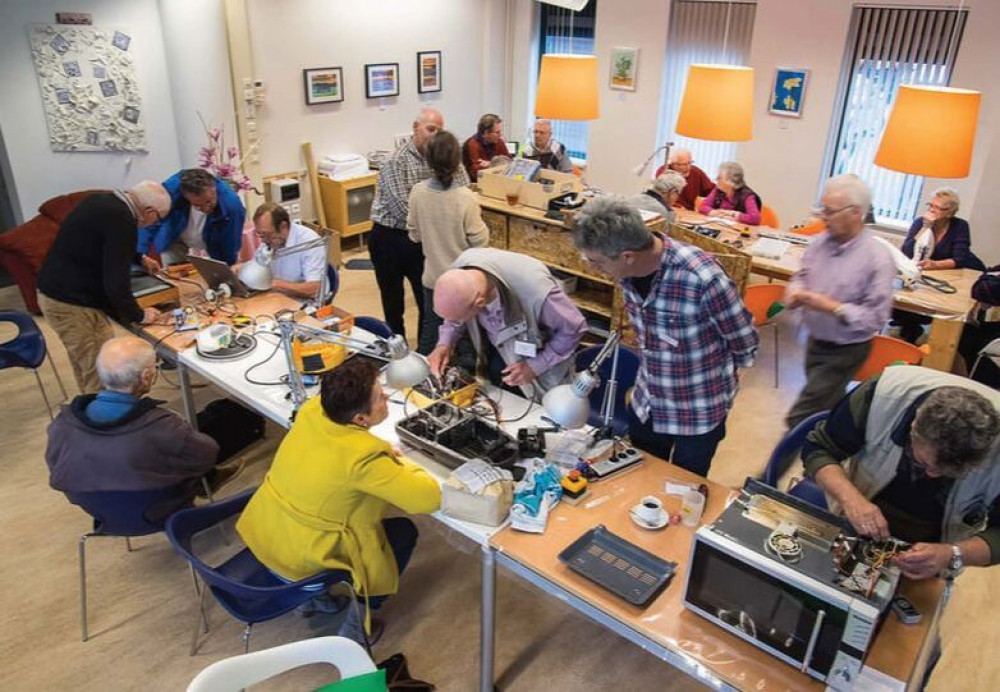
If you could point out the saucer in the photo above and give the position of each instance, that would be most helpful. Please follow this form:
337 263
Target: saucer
662 521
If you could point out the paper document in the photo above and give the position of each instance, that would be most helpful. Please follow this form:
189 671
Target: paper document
770 248
648 216
476 474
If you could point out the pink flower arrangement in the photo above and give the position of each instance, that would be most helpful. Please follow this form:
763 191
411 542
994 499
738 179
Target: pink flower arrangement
222 162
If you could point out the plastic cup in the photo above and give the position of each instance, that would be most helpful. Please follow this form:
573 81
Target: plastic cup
692 507
513 197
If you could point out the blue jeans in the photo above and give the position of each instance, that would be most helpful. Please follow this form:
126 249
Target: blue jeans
691 452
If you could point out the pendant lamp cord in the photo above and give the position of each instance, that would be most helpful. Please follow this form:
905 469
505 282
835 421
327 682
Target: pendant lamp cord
725 38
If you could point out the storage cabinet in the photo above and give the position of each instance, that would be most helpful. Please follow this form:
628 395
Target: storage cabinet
348 203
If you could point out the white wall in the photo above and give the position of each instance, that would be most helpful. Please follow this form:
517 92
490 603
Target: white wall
292 35
194 37
40 173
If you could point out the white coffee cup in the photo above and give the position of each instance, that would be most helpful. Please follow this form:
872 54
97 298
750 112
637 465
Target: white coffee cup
692 506
649 509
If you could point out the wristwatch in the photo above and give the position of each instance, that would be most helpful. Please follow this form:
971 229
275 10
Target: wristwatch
956 564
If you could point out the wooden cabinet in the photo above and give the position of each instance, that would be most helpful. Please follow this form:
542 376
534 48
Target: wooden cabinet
497 223
348 203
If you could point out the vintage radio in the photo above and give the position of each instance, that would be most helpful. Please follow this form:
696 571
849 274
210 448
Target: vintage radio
794 580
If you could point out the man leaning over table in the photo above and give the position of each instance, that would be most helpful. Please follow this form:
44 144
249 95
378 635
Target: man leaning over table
923 466
693 331
844 288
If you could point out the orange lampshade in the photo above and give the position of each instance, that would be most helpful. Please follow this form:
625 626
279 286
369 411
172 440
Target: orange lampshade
930 132
717 103
567 88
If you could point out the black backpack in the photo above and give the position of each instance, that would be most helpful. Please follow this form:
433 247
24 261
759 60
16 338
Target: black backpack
233 426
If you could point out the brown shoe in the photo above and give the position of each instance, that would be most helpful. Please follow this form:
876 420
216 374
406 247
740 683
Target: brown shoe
220 475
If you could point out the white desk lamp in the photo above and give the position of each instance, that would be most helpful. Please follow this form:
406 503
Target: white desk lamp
257 274
640 170
568 404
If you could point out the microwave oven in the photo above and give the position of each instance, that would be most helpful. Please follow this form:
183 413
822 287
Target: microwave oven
793 580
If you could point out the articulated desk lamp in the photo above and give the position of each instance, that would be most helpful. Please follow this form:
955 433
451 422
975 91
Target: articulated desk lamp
257 274
641 168
405 369
568 405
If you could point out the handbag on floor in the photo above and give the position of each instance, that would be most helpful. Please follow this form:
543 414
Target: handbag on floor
233 426
398 678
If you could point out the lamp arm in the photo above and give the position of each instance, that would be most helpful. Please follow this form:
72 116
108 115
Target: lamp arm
340 339
324 242
609 348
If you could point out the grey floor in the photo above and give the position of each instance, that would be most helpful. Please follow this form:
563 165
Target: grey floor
142 608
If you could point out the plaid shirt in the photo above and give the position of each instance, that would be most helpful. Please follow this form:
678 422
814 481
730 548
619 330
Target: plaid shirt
397 176
693 332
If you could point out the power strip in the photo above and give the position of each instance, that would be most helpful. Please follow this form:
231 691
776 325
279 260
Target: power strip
625 457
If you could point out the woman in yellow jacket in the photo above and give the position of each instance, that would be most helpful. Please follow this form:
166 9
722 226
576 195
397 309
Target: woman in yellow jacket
321 505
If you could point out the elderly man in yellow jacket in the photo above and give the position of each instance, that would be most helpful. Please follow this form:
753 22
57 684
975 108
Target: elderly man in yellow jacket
321 505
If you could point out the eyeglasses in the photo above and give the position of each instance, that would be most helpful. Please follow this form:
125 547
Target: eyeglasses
828 212
936 207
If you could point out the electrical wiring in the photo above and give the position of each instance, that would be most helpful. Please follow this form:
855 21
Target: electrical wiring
246 374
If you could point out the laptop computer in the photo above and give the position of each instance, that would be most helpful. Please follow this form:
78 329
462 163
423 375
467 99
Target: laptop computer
216 273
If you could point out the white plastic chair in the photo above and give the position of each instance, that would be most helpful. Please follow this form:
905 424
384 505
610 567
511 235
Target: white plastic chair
237 672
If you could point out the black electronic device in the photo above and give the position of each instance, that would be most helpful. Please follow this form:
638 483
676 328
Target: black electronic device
793 580
531 441
570 200
707 231
905 611
452 436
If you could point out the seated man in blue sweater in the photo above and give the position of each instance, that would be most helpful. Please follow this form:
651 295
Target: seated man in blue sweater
118 439
205 214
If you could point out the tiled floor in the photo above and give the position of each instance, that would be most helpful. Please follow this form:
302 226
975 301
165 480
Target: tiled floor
142 609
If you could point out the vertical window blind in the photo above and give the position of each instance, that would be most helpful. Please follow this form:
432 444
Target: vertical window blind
565 31
889 47
703 32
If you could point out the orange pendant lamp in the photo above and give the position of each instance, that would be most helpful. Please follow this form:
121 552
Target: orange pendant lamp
930 132
567 88
717 103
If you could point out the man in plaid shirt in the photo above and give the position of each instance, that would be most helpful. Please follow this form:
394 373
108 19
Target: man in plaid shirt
395 257
693 332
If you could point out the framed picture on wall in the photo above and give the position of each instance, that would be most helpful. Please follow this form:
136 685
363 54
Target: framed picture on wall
382 79
624 68
323 85
429 71
788 91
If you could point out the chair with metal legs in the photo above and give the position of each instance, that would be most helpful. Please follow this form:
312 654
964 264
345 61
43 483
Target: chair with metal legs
764 303
27 350
124 514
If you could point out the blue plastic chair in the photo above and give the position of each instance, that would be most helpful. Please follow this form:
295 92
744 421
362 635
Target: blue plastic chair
242 585
124 514
628 367
373 325
786 451
27 350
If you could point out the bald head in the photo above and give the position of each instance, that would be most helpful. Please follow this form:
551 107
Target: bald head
127 364
427 124
152 194
459 294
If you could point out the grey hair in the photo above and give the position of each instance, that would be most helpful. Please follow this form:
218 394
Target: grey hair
960 424
427 113
675 153
669 181
855 189
950 194
543 121
610 225
195 181
734 173
126 376
152 194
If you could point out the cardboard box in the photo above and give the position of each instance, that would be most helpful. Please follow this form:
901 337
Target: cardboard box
547 186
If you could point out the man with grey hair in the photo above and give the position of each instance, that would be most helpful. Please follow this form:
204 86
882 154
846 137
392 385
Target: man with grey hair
924 466
844 289
395 257
698 184
119 439
547 151
661 197
692 328
86 275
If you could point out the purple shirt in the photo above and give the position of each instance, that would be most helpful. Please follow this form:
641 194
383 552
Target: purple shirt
859 274
559 315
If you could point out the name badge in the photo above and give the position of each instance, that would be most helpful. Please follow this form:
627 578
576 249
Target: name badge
508 333
525 348
670 341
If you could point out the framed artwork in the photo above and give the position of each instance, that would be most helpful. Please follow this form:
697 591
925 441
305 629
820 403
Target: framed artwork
788 91
624 68
323 85
429 71
382 79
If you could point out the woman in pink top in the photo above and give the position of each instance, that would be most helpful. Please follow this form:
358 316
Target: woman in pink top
731 198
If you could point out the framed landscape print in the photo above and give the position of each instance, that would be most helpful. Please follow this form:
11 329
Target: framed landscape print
429 71
788 91
382 79
324 85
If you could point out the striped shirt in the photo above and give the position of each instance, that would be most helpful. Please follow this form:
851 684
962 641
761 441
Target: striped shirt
693 332
396 178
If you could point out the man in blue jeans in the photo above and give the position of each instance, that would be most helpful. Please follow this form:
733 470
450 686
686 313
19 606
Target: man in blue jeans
692 327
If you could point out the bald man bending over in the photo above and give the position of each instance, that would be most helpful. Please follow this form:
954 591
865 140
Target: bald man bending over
524 327
86 278
119 439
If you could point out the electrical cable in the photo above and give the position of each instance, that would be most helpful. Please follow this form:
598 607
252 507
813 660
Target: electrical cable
246 375
939 285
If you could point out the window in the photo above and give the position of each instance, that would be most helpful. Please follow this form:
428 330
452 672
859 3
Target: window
565 31
706 33
888 47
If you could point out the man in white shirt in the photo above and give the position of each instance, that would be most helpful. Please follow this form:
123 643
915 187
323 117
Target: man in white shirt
297 274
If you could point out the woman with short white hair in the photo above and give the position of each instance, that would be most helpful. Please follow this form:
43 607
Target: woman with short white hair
731 198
